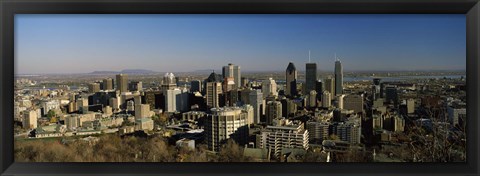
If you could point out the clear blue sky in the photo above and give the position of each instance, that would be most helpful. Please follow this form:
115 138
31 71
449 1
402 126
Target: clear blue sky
182 43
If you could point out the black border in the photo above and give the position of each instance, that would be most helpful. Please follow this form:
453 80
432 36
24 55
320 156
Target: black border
10 7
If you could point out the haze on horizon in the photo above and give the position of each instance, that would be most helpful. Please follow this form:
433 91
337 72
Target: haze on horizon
182 43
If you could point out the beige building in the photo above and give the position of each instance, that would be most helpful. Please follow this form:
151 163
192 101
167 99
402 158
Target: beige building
326 99
273 111
142 111
330 85
122 83
225 123
213 90
353 102
269 87
108 84
30 119
145 124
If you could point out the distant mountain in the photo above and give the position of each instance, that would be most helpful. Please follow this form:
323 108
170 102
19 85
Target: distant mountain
127 71
207 71
137 71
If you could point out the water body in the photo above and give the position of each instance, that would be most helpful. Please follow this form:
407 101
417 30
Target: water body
402 78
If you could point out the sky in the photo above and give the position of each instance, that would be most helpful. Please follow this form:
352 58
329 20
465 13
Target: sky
83 43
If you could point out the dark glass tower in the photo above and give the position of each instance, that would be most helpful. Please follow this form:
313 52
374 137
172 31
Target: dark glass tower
310 77
291 78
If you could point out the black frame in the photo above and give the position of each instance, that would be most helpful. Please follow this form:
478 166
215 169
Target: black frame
11 7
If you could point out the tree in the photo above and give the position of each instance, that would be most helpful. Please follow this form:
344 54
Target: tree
231 152
51 114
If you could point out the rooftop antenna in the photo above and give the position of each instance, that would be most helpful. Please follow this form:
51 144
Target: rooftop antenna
309 56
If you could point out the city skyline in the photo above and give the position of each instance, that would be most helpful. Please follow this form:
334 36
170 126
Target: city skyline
362 42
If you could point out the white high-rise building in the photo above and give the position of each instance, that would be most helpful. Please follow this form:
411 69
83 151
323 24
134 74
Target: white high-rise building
232 71
176 100
256 100
225 123
269 87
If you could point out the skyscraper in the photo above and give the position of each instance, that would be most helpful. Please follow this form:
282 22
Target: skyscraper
225 123
338 77
256 100
326 99
291 80
213 91
376 88
330 85
319 87
122 82
176 100
232 71
310 77
273 111
108 84
269 87
312 99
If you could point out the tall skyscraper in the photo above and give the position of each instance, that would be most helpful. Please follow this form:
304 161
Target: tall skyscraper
319 87
310 77
213 91
330 85
273 111
376 88
232 71
269 87
338 77
176 100
122 82
108 84
256 100
291 75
